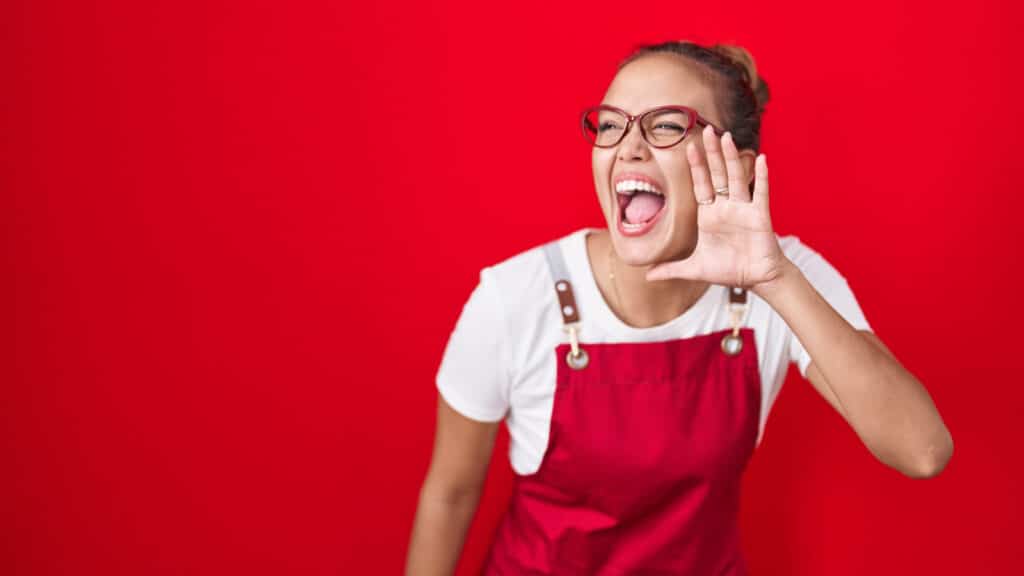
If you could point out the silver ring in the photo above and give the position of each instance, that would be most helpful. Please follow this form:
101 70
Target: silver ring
723 191
578 362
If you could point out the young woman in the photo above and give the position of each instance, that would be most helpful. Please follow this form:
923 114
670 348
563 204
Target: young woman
635 366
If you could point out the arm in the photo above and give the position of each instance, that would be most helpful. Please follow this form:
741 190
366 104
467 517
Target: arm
450 492
886 406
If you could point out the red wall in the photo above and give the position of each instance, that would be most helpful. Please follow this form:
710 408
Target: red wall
237 236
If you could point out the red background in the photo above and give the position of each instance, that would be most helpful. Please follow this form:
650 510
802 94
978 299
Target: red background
238 236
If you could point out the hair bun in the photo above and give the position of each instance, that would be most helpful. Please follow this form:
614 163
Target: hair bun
742 58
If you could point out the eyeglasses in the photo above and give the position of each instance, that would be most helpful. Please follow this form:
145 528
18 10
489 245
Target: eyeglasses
604 126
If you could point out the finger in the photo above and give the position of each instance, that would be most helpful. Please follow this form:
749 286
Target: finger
716 164
761 181
738 190
699 174
679 269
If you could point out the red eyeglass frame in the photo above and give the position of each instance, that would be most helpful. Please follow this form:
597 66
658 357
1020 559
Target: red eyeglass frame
693 115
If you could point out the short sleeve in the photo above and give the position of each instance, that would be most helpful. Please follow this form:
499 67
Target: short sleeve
832 286
472 377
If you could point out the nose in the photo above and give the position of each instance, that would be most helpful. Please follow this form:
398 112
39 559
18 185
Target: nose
633 146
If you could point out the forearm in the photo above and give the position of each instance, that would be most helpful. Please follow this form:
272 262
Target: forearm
889 409
439 531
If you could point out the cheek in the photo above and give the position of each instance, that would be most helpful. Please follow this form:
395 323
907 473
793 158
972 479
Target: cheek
601 161
677 172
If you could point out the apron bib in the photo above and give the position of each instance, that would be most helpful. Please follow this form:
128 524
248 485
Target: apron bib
646 448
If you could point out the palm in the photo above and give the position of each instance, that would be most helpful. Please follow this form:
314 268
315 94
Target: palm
736 245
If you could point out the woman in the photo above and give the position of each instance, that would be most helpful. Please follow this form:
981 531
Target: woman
635 365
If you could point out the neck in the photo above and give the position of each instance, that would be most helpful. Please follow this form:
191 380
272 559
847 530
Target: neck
636 301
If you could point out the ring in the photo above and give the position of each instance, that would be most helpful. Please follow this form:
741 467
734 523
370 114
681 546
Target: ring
723 191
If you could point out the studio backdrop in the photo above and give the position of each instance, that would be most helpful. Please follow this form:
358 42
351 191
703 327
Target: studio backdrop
237 236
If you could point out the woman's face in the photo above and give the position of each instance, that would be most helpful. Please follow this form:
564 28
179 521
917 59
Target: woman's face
650 81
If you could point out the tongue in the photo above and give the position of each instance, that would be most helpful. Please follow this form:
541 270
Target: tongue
643 207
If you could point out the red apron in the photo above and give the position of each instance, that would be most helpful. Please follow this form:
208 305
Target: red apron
646 448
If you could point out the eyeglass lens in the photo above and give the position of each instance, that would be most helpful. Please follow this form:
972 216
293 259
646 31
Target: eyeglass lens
604 127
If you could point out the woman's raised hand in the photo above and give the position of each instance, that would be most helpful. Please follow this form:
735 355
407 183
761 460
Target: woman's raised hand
736 245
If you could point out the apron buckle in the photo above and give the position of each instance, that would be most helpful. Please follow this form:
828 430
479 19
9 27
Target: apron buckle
732 343
577 358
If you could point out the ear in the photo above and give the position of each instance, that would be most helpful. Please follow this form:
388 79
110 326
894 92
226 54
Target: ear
747 158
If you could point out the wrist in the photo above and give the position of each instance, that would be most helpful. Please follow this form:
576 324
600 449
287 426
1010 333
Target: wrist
770 289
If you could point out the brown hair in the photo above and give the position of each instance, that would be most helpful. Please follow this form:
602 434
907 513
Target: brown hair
733 75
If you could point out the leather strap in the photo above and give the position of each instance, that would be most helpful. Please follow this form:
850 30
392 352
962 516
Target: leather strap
737 295
563 287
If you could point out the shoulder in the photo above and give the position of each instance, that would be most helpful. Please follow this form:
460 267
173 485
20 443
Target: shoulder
796 249
511 272
810 261
523 290
523 279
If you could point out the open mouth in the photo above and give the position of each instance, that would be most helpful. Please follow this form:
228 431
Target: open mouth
640 206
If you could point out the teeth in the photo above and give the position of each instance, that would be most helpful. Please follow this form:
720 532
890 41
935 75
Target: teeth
632 186
629 226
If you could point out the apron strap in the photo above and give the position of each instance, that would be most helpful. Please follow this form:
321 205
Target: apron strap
577 358
563 287
737 295
732 343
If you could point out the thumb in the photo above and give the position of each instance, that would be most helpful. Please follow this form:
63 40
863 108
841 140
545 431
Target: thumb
667 270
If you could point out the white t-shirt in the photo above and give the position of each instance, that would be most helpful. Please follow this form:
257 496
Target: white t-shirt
499 363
